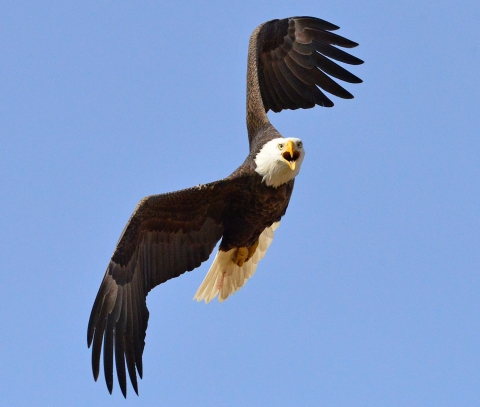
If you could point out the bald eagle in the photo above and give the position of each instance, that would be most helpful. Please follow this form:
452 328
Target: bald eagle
289 60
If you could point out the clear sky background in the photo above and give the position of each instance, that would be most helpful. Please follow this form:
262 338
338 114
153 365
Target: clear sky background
369 294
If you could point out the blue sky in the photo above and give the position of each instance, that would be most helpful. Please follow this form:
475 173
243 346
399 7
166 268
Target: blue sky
369 294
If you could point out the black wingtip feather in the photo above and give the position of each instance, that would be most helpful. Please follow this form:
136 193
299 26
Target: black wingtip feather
108 344
129 348
96 313
140 324
108 358
331 38
131 368
335 53
97 343
120 346
329 85
331 68
316 23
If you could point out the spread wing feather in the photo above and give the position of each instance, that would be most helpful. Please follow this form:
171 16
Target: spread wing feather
166 236
293 63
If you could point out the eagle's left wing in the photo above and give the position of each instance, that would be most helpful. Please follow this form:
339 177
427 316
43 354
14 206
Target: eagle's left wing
291 64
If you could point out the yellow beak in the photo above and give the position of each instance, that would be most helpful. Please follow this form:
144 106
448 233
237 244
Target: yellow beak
290 149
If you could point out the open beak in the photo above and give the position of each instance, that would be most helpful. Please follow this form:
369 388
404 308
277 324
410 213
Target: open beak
290 155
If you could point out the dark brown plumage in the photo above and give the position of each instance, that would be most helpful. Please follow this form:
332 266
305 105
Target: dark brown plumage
172 233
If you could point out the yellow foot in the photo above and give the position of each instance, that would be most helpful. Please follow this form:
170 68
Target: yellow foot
251 250
240 256
243 254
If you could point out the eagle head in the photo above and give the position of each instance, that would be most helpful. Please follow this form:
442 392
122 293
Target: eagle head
279 160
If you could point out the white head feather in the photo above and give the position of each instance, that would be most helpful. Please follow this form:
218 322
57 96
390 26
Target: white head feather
272 165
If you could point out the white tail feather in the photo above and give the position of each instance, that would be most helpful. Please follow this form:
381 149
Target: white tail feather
225 278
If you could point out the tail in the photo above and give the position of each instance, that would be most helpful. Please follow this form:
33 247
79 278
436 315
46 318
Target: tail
225 278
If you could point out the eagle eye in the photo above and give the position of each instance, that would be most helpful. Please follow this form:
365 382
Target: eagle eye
299 144
280 146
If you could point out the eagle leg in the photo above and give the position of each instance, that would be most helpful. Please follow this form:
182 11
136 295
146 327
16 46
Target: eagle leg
240 256
243 254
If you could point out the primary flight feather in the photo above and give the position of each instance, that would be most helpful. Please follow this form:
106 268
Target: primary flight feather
289 64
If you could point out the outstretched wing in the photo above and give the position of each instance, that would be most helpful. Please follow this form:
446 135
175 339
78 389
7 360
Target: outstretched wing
166 236
293 62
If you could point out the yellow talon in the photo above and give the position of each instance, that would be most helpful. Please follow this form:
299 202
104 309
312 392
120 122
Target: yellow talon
240 256
243 254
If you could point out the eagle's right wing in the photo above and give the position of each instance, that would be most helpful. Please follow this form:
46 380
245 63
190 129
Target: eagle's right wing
166 236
